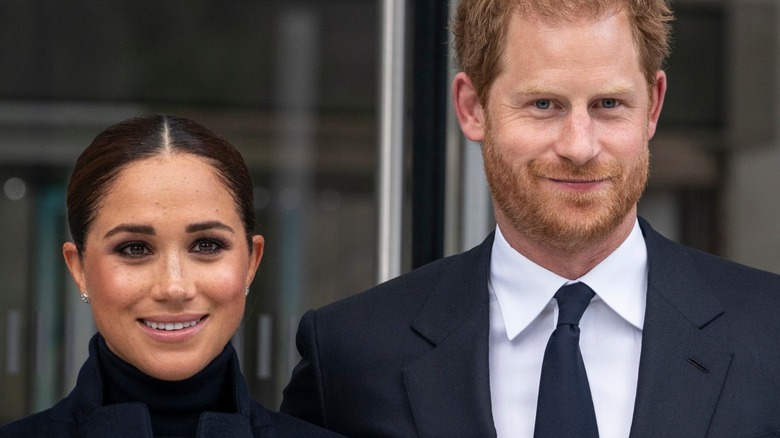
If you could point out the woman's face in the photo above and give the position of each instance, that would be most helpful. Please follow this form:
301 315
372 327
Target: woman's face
166 265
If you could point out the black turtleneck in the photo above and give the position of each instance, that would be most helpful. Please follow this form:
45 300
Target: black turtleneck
174 406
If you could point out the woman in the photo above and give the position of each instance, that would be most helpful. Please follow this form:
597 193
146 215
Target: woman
160 212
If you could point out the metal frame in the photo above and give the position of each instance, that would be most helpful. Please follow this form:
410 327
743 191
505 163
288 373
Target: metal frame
391 157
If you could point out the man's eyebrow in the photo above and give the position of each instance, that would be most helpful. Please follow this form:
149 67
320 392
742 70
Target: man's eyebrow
130 228
535 88
618 89
202 226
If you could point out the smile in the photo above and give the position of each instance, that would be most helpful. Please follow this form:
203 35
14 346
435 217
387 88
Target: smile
170 326
578 181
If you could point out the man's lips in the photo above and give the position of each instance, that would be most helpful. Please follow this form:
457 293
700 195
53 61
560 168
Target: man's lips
578 181
578 185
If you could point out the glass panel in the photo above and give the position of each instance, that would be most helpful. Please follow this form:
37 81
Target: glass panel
16 212
291 83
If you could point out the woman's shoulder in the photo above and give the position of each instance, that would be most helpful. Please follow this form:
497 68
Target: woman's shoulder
273 424
35 425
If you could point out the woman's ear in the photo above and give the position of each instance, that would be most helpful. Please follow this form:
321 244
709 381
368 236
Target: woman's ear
258 244
75 265
471 115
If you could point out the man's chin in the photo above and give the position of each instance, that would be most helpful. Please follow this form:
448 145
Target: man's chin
572 230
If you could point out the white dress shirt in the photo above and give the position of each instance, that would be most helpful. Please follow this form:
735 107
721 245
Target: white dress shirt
523 314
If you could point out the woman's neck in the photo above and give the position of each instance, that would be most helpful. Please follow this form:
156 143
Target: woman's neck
174 406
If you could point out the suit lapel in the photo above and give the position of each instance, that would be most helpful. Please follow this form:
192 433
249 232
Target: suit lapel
449 388
681 370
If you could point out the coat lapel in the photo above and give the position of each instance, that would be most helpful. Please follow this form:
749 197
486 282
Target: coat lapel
222 424
449 388
84 407
681 370
681 374
130 419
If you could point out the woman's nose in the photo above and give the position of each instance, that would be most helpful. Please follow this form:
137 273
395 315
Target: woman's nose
172 282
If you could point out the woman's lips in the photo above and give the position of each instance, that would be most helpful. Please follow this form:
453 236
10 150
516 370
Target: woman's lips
170 326
173 328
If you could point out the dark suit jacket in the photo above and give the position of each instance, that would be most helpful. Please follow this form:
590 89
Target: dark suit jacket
80 414
409 358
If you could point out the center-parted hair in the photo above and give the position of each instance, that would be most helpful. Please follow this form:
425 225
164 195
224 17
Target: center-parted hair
145 137
480 29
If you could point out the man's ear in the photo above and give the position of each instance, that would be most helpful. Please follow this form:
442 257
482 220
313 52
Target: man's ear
657 93
471 115
75 265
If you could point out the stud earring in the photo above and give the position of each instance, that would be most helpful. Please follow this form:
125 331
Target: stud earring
246 293
85 298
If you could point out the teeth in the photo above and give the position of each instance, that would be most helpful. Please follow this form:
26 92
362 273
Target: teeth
170 326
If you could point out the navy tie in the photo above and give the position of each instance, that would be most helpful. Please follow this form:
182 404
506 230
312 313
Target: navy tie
565 407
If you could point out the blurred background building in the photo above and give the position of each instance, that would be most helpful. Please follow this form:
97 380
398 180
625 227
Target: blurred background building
341 110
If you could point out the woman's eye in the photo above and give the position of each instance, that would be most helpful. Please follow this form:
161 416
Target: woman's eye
207 246
542 104
134 250
609 103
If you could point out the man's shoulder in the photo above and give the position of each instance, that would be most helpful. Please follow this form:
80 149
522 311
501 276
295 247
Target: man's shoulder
414 287
721 267
711 264
730 281
737 284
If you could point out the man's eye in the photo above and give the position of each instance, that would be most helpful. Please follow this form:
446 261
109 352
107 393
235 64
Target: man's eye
609 103
543 104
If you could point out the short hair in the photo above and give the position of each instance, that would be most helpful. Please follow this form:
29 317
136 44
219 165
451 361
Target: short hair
144 137
480 29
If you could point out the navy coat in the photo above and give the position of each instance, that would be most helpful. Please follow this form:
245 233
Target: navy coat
81 415
409 358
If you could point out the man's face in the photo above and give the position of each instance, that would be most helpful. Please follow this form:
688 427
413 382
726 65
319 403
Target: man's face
566 131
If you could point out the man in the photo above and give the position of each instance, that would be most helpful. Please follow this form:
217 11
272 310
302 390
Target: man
564 96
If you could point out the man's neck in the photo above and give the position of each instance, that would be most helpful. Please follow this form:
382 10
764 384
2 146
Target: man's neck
571 264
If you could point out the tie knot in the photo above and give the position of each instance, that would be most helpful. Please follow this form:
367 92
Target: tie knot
572 301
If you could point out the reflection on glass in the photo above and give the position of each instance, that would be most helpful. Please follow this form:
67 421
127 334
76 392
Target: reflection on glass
291 85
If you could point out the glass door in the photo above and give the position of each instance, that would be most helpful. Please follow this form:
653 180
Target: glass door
293 84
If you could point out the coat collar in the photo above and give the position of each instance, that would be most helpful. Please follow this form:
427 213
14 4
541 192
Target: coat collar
449 388
83 406
676 278
681 370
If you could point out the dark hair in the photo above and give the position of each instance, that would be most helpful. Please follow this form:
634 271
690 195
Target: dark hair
144 137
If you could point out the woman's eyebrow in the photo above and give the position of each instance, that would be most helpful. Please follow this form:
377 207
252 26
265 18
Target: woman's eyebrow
202 226
130 228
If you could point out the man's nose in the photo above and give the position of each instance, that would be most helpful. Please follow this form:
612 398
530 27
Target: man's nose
577 141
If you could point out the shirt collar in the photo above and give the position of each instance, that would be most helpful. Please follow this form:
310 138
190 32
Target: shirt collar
523 288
